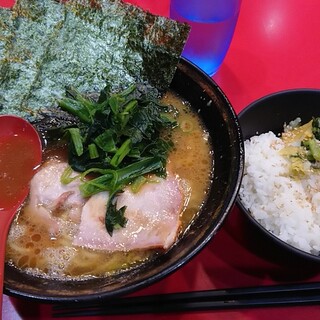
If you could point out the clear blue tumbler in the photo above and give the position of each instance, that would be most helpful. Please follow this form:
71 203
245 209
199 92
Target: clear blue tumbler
212 27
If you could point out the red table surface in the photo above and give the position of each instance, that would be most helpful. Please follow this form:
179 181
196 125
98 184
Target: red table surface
276 46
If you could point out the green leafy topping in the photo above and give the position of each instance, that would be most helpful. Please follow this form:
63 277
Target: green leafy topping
66 176
115 219
138 183
120 139
312 144
114 180
316 127
314 149
76 139
93 151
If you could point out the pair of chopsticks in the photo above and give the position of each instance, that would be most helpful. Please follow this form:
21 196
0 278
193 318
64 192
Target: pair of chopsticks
233 298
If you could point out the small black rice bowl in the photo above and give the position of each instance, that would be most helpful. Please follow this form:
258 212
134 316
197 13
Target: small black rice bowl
222 124
270 113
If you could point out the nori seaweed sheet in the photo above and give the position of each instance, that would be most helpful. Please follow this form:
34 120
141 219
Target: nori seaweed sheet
5 31
46 45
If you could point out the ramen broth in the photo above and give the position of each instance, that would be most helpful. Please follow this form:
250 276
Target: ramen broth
30 246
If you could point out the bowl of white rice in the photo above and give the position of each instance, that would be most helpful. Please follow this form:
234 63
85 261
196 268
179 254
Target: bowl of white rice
280 189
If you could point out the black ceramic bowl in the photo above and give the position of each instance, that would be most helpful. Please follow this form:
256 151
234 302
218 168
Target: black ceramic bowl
269 114
222 123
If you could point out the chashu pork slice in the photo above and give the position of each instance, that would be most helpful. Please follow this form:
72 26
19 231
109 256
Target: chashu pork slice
48 197
153 216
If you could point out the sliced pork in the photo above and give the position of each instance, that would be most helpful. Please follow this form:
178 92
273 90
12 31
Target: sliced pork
153 213
153 218
49 198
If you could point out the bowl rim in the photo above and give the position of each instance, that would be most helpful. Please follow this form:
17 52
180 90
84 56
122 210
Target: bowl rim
274 95
286 246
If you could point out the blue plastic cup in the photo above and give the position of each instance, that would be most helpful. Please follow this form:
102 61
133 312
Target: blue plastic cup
212 27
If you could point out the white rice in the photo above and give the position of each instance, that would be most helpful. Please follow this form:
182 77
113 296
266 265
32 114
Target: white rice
287 207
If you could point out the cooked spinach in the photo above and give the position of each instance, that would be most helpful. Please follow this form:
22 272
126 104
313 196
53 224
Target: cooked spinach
120 138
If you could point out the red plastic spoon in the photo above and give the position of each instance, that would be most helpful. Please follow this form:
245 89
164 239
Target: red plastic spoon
20 156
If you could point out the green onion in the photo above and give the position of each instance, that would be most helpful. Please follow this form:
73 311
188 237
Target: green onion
99 184
93 152
76 139
114 180
137 184
121 153
66 176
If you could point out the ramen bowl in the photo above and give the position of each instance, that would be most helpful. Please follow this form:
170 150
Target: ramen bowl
272 113
221 122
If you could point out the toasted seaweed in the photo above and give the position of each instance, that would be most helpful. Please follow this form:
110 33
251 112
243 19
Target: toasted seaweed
46 46
33 24
5 30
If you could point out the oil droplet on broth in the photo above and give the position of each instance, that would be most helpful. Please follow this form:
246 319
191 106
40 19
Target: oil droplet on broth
29 245
36 237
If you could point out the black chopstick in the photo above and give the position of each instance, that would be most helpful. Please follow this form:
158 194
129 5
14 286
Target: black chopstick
247 297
